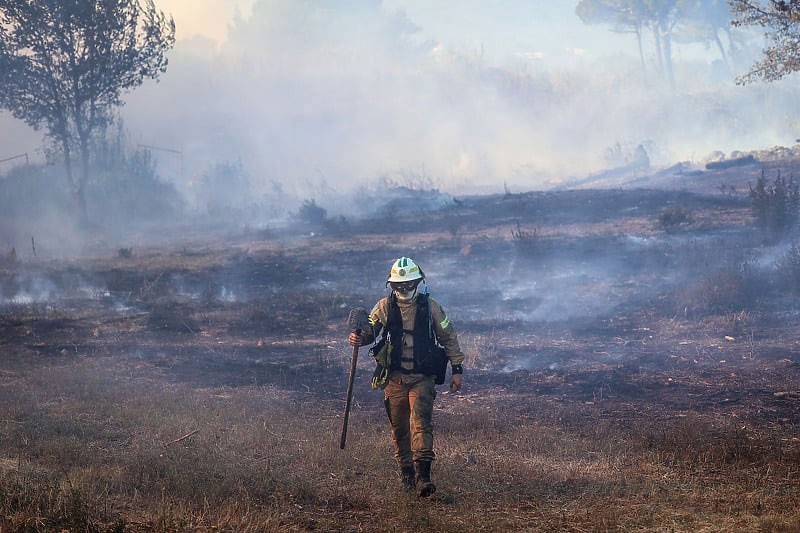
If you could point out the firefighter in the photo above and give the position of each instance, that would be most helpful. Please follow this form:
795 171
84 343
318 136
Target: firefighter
413 328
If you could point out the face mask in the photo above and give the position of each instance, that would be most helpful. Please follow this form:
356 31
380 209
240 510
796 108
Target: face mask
406 291
406 297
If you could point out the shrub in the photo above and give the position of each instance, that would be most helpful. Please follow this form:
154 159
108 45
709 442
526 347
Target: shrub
524 238
775 205
733 286
312 214
674 218
124 185
34 191
787 274
224 186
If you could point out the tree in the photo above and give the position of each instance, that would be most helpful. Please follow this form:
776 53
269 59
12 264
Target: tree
661 17
623 16
64 65
705 21
664 15
781 21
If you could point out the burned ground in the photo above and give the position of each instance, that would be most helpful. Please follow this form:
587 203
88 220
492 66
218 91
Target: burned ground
622 373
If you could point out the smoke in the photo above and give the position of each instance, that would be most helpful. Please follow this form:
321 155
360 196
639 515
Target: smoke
316 100
311 96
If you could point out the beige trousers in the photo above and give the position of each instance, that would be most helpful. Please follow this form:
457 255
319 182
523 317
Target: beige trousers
409 403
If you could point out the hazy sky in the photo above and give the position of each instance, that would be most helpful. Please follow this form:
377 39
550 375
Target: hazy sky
504 29
210 18
314 96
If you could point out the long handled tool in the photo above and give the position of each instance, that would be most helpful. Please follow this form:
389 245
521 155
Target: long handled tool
358 321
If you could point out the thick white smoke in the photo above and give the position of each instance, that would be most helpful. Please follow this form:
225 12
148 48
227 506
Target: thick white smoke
318 97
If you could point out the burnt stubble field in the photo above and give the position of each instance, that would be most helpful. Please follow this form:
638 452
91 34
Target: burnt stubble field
633 364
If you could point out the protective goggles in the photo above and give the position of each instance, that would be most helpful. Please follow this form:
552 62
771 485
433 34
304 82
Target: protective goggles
404 286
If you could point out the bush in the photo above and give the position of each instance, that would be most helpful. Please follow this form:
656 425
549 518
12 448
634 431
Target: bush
788 270
525 239
674 218
311 214
223 187
124 185
34 191
775 206
732 287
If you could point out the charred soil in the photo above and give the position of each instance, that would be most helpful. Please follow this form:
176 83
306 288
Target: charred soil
625 370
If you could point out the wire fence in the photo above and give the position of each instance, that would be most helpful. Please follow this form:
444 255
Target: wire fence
6 163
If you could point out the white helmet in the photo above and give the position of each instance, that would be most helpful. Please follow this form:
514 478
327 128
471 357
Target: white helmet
405 269
404 278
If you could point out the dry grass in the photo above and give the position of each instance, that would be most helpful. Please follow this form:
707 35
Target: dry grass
172 405
91 452
95 444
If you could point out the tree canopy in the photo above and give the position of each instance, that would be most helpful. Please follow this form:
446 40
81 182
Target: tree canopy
64 65
781 21
701 20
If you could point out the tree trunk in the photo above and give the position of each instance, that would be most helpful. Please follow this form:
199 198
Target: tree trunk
75 191
641 52
667 44
84 178
659 52
721 48
732 49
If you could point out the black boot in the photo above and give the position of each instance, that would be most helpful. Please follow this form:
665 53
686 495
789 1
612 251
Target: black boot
425 486
408 477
